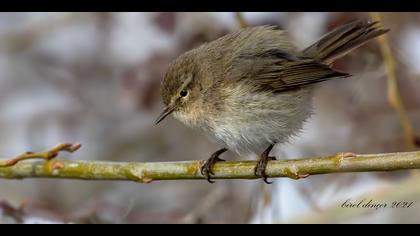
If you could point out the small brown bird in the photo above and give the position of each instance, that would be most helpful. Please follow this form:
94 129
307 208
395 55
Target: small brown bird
251 89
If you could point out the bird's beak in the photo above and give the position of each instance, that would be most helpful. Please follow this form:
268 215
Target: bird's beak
166 112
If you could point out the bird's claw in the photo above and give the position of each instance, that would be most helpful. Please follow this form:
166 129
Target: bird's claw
261 166
206 168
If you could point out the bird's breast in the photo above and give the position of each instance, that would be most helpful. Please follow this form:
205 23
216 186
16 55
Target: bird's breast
252 121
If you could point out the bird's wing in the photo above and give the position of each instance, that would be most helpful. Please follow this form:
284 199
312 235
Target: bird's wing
279 71
265 58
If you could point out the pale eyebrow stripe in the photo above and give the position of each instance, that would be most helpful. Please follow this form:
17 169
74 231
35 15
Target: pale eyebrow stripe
187 81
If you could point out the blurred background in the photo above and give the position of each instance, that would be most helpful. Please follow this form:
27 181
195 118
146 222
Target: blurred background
94 78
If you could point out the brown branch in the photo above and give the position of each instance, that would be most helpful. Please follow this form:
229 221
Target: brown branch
240 19
47 155
393 91
16 213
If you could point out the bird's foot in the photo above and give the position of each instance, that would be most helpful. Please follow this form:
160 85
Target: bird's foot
262 164
206 168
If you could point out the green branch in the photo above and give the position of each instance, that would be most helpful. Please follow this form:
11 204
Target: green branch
148 172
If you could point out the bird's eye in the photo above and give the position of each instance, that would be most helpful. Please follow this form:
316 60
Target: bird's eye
183 93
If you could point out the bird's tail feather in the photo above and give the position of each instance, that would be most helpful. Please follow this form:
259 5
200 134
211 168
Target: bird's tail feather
342 40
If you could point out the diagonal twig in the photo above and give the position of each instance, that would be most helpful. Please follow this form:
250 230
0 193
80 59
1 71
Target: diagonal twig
46 155
240 19
393 91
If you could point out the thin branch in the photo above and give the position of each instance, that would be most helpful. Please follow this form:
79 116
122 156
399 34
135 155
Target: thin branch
148 172
393 91
8 210
210 200
47 155
240 19
26 37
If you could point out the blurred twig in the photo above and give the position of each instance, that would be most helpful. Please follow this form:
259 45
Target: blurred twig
240 19
24 38
393 92
147 172
209 201
16 213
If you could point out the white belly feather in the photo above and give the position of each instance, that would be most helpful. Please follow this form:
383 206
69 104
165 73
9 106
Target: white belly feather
251 124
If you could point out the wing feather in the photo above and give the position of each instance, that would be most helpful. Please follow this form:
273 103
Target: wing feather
270 63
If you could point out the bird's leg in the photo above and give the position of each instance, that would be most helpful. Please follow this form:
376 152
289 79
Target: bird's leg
206 167
262 164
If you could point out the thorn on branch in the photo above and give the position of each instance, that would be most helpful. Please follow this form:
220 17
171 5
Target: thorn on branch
293 173
340 157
